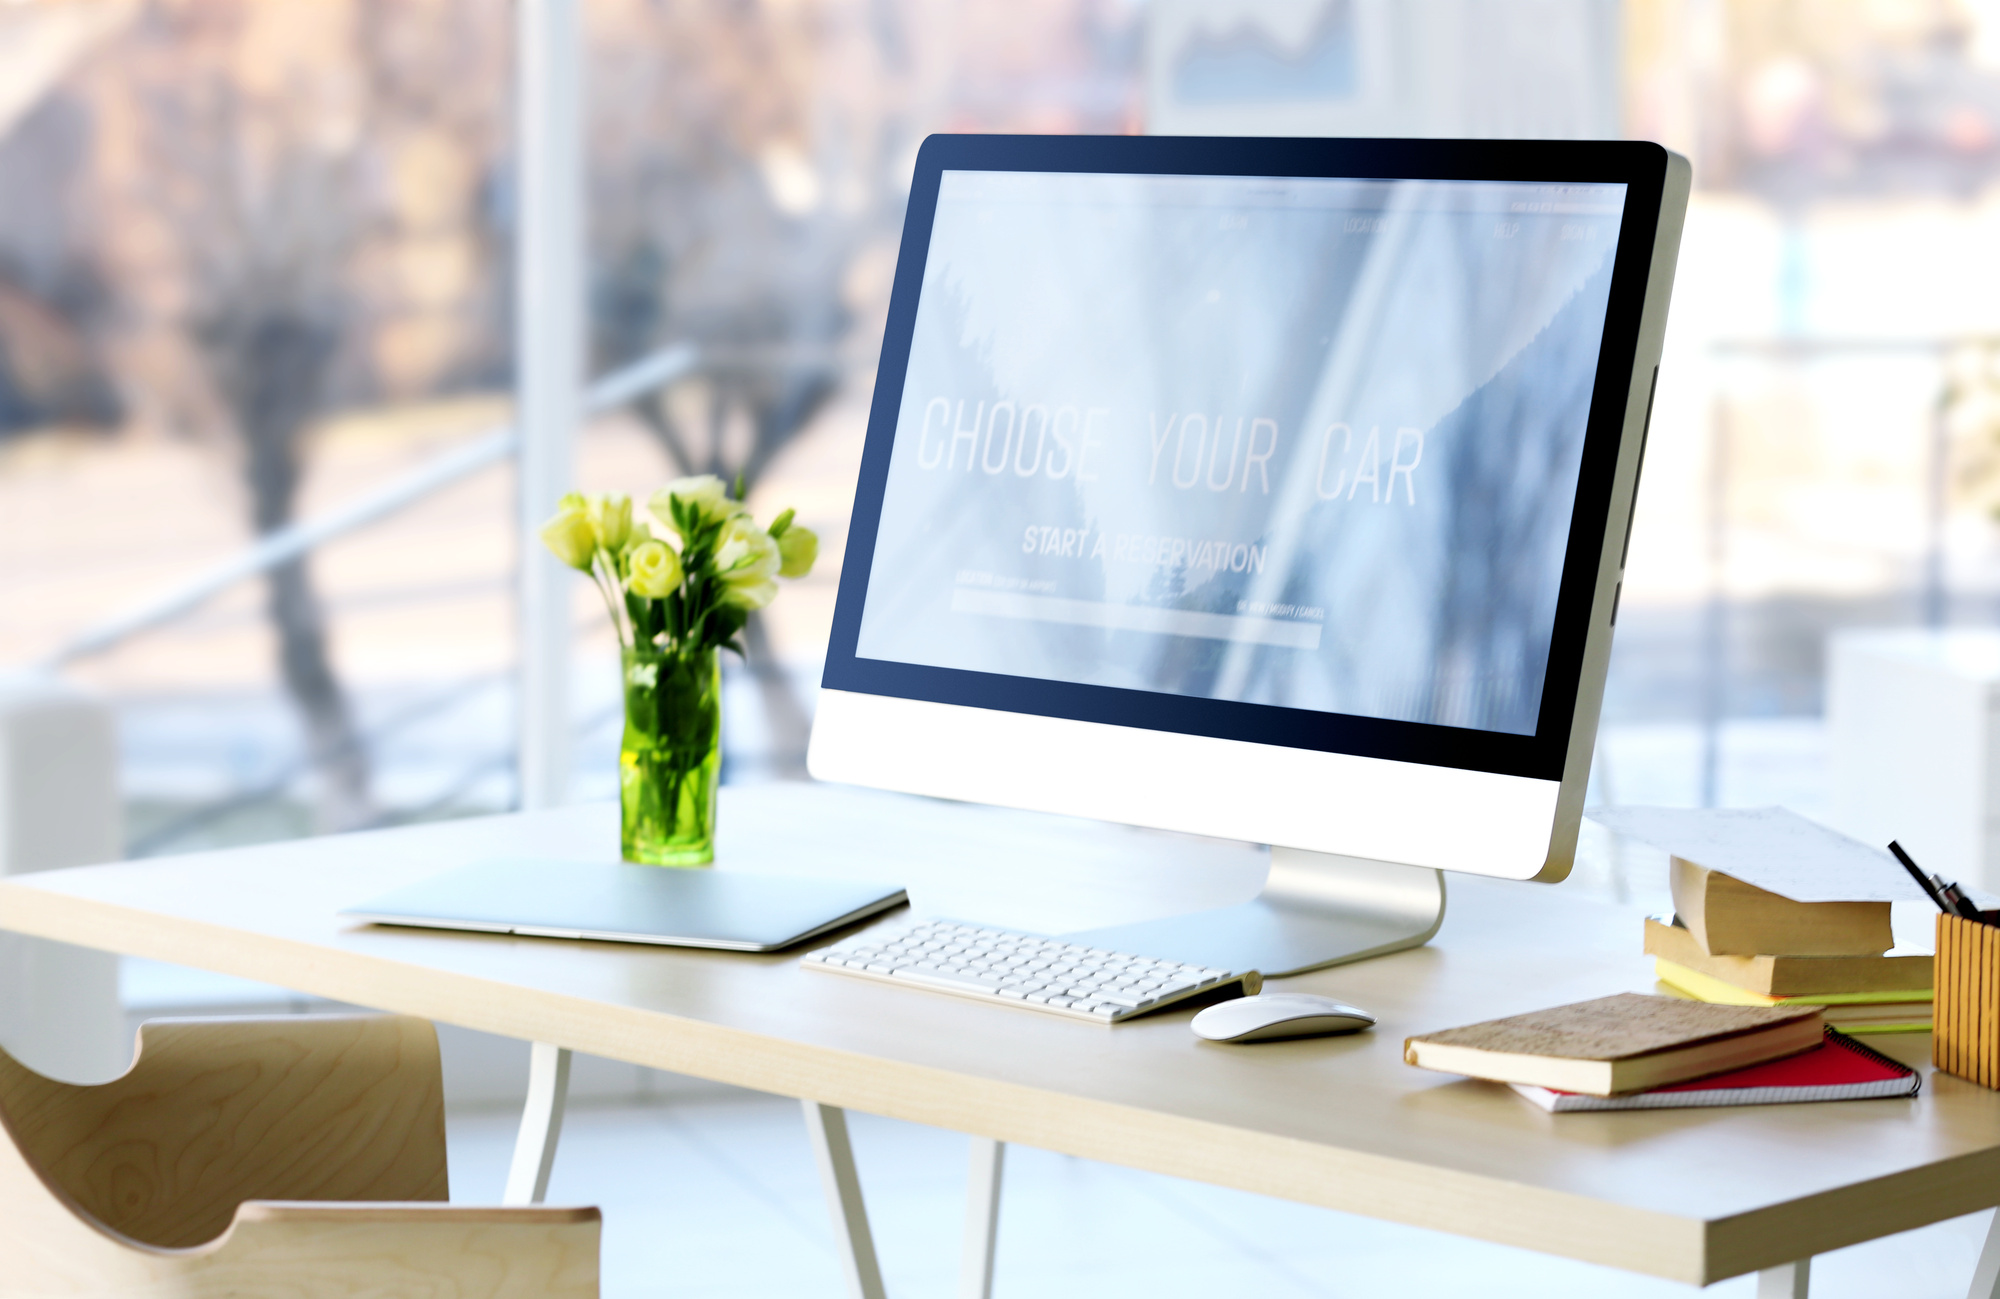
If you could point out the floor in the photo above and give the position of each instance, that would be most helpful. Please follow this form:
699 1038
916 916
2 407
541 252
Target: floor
720 1198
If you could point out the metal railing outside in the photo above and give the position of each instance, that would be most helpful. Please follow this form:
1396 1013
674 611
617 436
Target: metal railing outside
657 371
493 446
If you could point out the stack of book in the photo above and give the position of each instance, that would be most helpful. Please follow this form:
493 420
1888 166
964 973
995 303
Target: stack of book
1732 943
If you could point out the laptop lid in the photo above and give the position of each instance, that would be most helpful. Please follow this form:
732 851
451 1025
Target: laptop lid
623 903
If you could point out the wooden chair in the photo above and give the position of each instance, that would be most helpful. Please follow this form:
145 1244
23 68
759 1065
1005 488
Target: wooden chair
282 1158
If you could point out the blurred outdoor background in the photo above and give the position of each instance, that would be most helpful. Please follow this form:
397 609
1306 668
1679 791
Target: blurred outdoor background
255 271
255 266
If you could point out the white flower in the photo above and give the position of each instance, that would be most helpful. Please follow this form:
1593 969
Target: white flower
655 570
747 563
697 502
569 533
611 518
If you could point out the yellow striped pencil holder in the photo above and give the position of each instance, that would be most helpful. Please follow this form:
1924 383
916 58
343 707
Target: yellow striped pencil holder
1965 1033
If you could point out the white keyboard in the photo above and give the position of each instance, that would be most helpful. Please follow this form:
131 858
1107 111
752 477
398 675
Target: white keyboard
1024 970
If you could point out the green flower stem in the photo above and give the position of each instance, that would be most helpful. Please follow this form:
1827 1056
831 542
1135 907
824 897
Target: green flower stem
670 762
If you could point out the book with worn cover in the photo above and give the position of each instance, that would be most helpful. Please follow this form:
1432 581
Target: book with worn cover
1768 882
1907 1011
1903 972
1729 917
1619 1044
1840 1069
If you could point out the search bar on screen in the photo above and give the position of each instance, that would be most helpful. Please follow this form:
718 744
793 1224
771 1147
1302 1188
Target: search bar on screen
1239 628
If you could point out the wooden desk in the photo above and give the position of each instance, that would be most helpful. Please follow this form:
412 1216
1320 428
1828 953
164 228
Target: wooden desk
1694 1195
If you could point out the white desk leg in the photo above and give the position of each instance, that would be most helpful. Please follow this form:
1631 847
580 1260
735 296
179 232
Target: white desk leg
541 1125
1986 1276
982 1218
1786 1281
827 1125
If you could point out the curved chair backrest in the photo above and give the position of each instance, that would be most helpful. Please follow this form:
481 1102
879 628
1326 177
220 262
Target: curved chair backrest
216 1112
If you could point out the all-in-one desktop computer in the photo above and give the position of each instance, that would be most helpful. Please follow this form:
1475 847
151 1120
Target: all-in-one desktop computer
1274 490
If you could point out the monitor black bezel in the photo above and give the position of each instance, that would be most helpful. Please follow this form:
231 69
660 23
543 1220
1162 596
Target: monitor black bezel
1640 166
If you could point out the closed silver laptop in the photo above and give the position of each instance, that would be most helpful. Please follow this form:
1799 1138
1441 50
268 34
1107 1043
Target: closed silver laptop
622 903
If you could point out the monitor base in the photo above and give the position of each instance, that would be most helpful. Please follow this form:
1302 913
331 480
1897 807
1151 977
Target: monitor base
1316 910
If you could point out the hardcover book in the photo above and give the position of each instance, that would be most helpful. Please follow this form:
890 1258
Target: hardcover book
1731 918
1619 1044
1904 973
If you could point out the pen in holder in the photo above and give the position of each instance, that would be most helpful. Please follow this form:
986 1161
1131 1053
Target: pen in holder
1965 1033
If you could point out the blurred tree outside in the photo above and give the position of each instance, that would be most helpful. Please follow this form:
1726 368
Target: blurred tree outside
254 154
749 166
240 217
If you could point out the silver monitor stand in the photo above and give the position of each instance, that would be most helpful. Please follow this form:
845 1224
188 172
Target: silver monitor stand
1316 910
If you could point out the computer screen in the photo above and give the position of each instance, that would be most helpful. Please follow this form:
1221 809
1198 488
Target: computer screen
1265 489
1293 441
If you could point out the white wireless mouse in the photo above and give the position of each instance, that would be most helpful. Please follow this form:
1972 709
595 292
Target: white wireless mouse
1274 1015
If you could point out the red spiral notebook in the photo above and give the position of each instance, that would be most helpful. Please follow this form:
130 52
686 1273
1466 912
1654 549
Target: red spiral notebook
1839 1069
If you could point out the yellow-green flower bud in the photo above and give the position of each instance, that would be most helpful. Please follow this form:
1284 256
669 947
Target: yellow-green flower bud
746 563
797 549
570 536
703 497
611 516
749 595
783 521
655 570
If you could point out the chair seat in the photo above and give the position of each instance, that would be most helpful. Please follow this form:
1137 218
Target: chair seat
295 1156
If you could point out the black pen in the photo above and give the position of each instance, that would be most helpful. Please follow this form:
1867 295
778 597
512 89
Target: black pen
1954 895
1923 882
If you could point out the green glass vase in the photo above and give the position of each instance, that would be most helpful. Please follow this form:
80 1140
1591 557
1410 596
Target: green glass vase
670 762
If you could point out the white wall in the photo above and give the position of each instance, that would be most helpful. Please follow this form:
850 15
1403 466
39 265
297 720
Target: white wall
59 1008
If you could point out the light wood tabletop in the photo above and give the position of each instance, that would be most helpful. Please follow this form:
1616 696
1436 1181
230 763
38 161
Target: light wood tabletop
1694 1195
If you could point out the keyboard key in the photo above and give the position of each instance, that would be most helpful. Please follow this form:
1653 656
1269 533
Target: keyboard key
941 978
